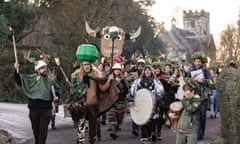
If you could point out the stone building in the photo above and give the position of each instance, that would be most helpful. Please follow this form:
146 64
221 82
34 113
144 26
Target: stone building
194 37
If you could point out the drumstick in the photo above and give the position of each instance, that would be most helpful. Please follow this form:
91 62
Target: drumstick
65 76
134 108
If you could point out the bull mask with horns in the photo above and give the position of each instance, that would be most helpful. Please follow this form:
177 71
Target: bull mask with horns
110 33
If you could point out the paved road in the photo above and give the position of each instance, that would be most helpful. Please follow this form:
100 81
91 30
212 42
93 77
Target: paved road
14 120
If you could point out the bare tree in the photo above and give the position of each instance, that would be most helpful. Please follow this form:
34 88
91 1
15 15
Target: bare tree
230 43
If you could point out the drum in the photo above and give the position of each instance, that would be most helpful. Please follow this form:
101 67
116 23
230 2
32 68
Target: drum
142 110
175 107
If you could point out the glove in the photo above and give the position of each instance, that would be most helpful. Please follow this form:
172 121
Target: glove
86 80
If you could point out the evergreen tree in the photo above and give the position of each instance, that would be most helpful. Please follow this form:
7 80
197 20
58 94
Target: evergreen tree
3 30
21 15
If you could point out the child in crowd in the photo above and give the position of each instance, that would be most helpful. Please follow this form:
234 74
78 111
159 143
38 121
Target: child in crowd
187 129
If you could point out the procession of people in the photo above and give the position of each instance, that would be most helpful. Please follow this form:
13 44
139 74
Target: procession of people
105 92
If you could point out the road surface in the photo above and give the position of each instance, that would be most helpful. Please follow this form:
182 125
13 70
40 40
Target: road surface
14 120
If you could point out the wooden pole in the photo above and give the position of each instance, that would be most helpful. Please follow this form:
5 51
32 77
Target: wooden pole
112 52
65 76
14 44
58 63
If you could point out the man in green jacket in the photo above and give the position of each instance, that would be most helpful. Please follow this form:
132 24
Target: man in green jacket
41 91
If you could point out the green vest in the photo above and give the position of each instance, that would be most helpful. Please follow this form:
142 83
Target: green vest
39 87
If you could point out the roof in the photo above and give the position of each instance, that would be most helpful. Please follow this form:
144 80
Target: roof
180 41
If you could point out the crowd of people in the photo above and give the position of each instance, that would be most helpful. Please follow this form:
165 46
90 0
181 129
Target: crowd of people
102 94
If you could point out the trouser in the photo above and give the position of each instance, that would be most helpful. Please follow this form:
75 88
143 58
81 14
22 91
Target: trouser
214 103
157 126
202 118
91 112
53 122
135 126
146 130
76 112
53 118
183 138
104 117
115 119
81 131
40 119
99 135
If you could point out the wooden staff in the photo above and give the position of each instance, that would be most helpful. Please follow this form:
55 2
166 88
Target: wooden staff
113 36
14 43
58 63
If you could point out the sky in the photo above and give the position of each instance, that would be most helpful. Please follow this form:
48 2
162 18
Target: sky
222 12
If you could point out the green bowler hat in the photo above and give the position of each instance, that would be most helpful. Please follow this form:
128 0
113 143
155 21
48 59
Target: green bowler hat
87 52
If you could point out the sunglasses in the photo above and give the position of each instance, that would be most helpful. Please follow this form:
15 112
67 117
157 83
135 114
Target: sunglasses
86 64
141 65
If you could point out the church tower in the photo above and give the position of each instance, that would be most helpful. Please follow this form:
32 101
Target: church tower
196 22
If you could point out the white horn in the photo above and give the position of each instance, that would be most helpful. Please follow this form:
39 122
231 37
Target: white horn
89 30
136 34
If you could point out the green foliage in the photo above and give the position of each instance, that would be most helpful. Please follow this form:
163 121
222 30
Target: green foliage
228 91
198 55
64 22
1 6
20 15
3 30
67 20
204 59
9 92
219 141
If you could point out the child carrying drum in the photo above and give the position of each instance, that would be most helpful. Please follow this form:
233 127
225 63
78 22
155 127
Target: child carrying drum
187 127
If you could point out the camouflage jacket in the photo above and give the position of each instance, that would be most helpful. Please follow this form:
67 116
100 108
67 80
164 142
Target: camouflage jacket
188 121
77 89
